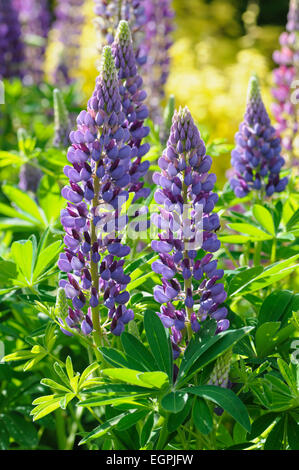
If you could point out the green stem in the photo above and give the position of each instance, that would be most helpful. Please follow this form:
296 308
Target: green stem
97 333
257 253
163 435
187 282
60 430
273 251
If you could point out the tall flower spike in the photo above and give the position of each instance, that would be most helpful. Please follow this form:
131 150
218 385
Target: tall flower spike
256 159
132 96
185 194
11 45
35 19
158 28
100 158
110 12
61 120
285 111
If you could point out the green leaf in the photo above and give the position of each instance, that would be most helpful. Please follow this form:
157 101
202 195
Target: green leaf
147 429
50 199
243 278
51 383
224 398
236 239
135 377
25 203
288 376
260 425
270 275
265 336
264 217
275 437
275 306
22 254
114 401
131 419
135 348
101 430
176 419
255 233
202 417
174 401
159 342
45 258
293 433
198 355
87 372
22 431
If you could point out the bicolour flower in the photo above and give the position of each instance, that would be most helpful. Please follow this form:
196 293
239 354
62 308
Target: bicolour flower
99 181
257 159
188 237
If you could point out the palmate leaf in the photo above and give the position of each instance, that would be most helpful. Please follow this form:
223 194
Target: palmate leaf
224 398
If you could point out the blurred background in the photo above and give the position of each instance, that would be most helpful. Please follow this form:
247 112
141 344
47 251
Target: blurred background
217 45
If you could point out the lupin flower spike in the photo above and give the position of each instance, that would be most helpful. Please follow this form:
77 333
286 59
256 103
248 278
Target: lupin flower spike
110 12
100 158
158 28
61 120
284 109
257 159
185 182
132 96
220 372
11 45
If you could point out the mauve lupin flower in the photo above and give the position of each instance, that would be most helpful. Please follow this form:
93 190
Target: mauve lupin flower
132 96
61 120
35 19
110 12
284 76
156 44
257 159
100 158
68 28
185 182
11 45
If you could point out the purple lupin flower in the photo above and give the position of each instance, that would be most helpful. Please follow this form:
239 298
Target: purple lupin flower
68 26
110 12
11 45
35 19
185 194
132 96
257 159
100 158
284 76
156 44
